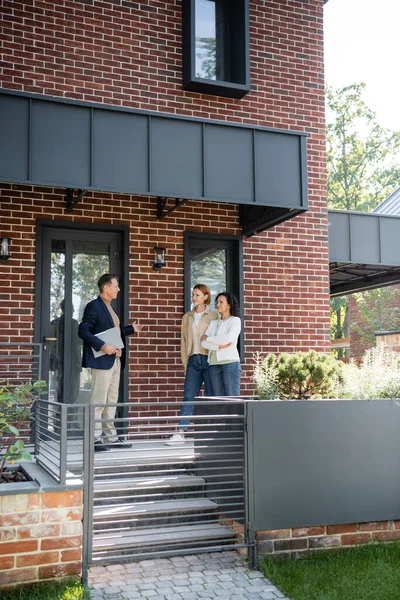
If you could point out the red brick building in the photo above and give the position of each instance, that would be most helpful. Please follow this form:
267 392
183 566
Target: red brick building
129 56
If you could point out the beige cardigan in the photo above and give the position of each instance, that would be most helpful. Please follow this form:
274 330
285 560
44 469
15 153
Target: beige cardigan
187 332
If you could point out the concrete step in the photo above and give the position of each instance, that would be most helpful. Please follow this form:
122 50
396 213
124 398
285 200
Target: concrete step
154 514
128 490
170 537
144 455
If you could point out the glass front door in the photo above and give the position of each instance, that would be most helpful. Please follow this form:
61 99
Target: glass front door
72 262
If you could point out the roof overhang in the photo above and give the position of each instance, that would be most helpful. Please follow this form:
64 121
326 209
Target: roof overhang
86 146
364 251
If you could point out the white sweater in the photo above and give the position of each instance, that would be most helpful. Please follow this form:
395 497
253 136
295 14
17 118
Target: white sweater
222 332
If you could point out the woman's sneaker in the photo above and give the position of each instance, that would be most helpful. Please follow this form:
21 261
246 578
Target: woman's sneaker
176 440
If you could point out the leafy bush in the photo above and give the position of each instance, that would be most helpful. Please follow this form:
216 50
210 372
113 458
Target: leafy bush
298 376
378 376
15 413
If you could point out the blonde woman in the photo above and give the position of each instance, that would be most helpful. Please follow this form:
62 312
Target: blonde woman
194 357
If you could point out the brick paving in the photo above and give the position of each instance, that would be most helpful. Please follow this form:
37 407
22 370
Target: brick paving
217 575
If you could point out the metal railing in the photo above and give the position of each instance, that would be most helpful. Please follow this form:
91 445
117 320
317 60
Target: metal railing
20 362
152 499
148 498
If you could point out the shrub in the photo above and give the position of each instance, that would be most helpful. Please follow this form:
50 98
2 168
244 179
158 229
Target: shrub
298 376
378 376
15 413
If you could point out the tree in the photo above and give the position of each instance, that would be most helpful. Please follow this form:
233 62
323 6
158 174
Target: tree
379 310
363 167
363 158
339 321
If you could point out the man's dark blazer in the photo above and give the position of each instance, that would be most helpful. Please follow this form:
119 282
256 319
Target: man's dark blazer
97 318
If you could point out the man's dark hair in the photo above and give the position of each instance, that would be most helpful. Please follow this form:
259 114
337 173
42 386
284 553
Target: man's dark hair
105 279
232 301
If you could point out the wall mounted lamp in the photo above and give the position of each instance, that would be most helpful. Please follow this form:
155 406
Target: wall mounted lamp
5 248
159 258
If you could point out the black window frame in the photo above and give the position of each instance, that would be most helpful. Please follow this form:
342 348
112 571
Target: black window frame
234 57
235 282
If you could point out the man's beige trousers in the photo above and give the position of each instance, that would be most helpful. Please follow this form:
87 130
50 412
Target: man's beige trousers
105 385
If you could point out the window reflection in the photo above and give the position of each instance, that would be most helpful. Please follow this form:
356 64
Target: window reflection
206 39
208 266
89 262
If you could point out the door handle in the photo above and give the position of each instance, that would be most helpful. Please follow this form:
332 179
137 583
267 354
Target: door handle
46 340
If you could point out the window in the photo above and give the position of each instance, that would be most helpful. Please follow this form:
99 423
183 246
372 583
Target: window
216 47
216 261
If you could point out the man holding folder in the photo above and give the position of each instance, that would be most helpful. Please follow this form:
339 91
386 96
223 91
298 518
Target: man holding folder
104 353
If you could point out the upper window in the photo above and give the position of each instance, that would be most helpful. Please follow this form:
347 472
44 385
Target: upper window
216 47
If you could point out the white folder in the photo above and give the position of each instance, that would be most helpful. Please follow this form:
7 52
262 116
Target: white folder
109 336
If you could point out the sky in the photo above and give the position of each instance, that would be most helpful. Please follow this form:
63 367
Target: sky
362 44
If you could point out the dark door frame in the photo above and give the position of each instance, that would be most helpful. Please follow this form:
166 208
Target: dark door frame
43 225
235 283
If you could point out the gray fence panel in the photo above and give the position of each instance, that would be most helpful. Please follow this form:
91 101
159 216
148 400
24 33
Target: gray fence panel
278 169
14 128
61 144
229 168
120 151
177 158
324 462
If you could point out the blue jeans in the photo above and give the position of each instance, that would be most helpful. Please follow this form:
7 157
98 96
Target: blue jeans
197 372
225 379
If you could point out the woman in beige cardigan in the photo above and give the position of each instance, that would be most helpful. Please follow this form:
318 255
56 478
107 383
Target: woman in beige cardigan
194 357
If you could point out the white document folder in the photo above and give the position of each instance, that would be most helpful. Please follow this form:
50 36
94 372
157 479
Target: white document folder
110 336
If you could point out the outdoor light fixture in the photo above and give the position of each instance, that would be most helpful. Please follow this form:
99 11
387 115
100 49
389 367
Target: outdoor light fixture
5 244
159 258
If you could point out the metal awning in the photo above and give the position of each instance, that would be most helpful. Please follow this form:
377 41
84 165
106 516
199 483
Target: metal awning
364 251
85 146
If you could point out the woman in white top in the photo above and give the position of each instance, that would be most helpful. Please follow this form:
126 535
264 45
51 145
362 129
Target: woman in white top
221 340
194 357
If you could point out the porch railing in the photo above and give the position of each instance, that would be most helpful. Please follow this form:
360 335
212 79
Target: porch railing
149 498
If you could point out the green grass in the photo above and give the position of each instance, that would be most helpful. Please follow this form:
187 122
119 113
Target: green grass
49 590
364 573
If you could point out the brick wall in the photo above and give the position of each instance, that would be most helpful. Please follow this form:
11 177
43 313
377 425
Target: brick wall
390 340
40 536
285 308
129 54
304 540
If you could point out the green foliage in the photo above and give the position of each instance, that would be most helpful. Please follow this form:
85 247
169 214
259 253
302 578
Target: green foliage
266 377
378 376
68 589
298 376
362 157
15 413
365 573
379 310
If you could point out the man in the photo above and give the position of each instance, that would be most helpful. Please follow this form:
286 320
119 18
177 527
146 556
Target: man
98 317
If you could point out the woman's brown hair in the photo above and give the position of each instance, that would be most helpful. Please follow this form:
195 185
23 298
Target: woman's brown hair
204 290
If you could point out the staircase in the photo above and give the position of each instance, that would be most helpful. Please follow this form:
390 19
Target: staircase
150 500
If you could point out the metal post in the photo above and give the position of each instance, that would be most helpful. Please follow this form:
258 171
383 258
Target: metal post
63 443
249 489
88 481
